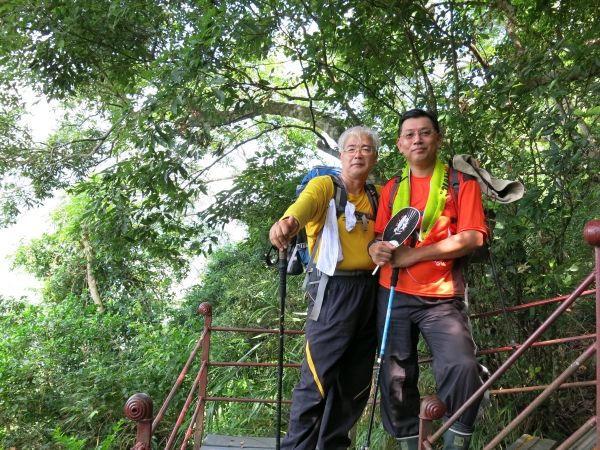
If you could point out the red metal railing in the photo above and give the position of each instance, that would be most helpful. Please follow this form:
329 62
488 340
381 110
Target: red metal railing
139 407
592 236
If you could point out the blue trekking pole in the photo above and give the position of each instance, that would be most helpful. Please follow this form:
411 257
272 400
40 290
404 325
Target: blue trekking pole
398 229
393 283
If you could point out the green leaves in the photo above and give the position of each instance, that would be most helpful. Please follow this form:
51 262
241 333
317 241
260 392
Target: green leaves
589 113
66 371
219 94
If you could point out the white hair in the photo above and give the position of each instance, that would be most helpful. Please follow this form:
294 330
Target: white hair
358 131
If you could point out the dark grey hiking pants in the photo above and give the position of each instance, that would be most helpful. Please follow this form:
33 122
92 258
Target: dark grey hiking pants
447 332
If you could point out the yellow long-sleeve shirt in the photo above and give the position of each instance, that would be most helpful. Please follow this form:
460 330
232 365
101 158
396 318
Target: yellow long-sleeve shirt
310 211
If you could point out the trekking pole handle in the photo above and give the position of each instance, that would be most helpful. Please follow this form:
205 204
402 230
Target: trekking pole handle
283 256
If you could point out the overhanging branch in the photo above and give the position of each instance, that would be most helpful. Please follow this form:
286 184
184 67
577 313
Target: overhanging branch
330 125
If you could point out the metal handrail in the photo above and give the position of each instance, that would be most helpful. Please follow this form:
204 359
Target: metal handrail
541 387
548 301
591 233
178 383
510 361
591 350
188 401
592 236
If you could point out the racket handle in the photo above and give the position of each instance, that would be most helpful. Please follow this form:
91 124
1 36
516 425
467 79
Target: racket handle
395 244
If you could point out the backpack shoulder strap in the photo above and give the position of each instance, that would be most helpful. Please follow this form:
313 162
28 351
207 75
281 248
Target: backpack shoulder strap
394 191
371 191
339 194
341 197
483 253
454 180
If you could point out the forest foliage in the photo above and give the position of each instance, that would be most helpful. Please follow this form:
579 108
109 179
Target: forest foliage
159 99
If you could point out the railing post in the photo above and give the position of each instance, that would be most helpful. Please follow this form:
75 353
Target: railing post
432 408
139 409
592 236
206 310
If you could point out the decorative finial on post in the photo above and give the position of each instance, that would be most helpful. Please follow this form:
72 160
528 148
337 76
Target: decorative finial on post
432 408
205 309
139 409
591 233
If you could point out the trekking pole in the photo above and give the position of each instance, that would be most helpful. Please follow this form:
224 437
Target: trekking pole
282 294
393 283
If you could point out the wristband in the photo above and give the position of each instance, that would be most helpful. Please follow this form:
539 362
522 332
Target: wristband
371 243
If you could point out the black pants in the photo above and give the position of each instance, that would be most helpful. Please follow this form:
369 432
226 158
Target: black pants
446 330
338 366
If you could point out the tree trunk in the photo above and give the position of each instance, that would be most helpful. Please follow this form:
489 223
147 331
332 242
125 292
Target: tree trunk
90 274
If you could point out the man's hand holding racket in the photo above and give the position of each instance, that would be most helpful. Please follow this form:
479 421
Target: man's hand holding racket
399 228
381 252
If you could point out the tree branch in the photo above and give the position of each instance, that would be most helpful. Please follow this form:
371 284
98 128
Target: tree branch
328 124
511 16
90 274
432 100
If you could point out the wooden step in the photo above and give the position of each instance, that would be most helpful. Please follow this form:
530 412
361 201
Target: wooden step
218 442
586 442
527 442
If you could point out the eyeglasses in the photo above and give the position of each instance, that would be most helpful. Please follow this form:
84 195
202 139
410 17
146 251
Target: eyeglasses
354 150
422 133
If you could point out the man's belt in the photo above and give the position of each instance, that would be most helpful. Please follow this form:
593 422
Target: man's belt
316 276
352 273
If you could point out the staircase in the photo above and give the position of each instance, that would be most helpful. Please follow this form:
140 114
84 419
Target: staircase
527 442
139 407
216 442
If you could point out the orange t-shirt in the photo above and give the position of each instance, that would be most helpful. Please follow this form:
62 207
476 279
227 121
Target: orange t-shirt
442 278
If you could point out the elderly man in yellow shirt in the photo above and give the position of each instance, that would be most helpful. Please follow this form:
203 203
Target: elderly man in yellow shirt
340 330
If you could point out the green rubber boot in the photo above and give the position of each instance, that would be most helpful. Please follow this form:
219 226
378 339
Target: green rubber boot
408 443
455 440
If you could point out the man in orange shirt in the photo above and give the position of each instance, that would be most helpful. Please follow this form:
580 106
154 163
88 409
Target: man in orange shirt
428 298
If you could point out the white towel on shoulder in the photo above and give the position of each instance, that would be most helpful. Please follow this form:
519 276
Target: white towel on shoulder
330 251
350 216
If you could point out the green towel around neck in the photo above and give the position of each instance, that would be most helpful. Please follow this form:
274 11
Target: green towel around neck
436 201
